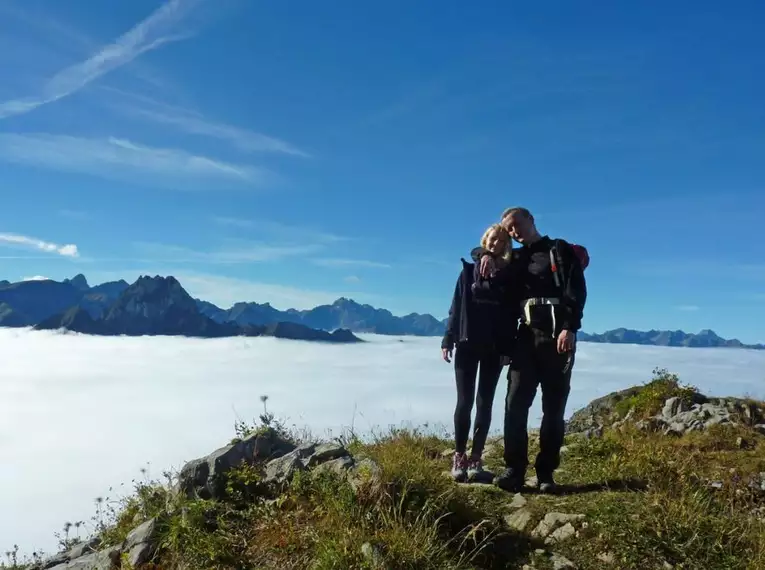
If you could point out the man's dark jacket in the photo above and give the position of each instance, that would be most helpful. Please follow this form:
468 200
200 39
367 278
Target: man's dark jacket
484 313
573 290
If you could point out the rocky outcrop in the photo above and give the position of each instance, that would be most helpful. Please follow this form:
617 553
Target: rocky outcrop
678 415
273 455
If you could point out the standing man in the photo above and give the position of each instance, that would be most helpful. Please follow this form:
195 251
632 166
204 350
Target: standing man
548 277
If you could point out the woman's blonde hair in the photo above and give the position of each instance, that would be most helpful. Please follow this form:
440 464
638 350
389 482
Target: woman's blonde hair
498 228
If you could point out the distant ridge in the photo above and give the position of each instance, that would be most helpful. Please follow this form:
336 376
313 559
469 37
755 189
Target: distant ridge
30 303
704 339
150 306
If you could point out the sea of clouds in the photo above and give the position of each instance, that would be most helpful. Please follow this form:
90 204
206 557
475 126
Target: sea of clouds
80 415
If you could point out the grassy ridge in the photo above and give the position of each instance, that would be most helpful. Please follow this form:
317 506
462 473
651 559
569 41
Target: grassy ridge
646 499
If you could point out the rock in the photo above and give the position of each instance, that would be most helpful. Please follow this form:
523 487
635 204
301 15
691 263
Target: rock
140 543
326 452
518 501
593 433
77 551
561 533
108 559
741 443
560 562
338 466
760 428
675 428
204 478
365 473
373 555
84 548
551 521
607 557
651 424
673 406
447 453
281 470
518 520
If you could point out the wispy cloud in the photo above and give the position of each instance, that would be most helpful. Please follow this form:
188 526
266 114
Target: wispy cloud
74 214
156 30
338 262
352 279
281 230
16 240
239 252
117 158
196 124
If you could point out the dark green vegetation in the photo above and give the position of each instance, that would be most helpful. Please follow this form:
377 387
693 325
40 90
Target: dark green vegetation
640 499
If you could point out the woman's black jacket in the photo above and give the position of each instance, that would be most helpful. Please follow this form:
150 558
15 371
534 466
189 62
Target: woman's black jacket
484 313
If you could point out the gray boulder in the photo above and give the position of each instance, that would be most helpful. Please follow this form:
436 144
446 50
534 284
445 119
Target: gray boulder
308 456
77 551
108 559
205 477
140 544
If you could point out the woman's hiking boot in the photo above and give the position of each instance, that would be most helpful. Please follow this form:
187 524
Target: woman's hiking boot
459 467
476 473
510 480
475 469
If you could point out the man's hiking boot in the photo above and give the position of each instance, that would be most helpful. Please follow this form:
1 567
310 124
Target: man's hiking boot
546 483
509 480
459 467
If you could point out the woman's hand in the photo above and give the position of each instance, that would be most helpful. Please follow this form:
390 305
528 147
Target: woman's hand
446 354
488 266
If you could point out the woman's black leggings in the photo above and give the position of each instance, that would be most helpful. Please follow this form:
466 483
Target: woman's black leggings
466 365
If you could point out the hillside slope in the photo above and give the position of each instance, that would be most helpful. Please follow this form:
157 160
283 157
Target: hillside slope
636 492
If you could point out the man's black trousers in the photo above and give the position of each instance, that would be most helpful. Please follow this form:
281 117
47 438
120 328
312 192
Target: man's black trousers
466 365
536 362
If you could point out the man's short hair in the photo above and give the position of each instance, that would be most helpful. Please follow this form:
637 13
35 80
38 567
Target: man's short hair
516 210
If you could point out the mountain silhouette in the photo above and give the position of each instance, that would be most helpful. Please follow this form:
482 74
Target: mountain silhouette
156 306
160 305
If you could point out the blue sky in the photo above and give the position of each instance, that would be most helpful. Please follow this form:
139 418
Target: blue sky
294 152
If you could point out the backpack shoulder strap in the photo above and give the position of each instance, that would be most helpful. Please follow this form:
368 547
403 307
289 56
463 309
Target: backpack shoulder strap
556 262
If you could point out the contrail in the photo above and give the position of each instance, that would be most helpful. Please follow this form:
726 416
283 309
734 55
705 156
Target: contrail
151 33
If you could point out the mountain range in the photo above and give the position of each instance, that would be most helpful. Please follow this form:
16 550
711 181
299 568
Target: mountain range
704 339
150 306
160 305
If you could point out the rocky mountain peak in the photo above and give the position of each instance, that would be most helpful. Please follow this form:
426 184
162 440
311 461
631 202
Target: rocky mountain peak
79 282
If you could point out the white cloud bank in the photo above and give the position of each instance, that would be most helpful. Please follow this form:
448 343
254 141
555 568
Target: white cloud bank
95 410
68 250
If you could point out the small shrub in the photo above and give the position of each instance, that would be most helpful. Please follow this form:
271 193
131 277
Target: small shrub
651 397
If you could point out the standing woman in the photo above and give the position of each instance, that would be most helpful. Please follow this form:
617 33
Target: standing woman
481 326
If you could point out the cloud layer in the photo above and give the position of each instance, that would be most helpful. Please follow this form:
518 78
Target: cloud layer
163 401
68 250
